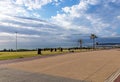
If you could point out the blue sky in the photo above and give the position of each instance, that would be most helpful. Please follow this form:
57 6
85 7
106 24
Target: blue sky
53 23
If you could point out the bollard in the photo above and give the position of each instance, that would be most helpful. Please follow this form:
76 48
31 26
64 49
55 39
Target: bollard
55 49
61 49
51 50
39 51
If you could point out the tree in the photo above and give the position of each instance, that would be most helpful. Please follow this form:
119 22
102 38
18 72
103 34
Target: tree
93 37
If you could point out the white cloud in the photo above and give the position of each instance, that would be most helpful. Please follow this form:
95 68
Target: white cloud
30 30
27 25
7 7
32 4
118 17
77 17
23 7
78 10
35 4
67 19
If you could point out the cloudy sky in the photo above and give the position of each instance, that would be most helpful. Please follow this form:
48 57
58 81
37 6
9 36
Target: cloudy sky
54 23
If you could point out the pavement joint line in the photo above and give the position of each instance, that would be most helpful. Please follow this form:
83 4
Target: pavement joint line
113 76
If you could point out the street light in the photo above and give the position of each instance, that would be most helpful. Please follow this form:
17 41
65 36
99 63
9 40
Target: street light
16 41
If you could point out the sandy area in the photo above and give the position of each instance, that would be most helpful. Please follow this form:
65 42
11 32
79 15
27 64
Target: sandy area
95 66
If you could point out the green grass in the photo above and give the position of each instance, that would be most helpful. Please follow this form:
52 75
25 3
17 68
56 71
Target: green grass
16 55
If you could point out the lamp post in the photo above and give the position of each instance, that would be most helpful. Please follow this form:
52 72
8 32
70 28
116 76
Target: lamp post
80 41
16 41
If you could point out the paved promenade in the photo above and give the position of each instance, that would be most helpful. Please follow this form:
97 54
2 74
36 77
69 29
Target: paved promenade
95 66
10 75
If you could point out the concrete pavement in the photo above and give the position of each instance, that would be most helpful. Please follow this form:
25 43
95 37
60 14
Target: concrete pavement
10 75
95 66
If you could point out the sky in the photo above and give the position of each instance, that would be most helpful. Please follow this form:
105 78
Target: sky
56 23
